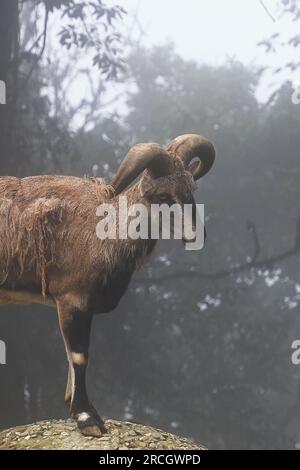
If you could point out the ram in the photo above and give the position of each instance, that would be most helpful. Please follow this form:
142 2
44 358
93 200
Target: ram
50 253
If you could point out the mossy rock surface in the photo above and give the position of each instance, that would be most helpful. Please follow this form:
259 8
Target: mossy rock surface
121 435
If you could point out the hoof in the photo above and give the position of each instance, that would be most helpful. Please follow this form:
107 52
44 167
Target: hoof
90 425
94 431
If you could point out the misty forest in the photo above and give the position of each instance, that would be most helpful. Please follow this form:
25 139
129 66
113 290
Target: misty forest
201 343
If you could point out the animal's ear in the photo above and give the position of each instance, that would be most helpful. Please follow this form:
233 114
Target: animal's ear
193 167
147 186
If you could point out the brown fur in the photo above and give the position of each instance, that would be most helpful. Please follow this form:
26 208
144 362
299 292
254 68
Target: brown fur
37 216
48 240
50 252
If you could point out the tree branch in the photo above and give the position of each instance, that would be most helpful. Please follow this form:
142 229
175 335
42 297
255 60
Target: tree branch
255 263
267 11
40 55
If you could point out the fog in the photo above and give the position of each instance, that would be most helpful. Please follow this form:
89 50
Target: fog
201 344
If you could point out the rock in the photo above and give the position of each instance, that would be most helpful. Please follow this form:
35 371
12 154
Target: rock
121 435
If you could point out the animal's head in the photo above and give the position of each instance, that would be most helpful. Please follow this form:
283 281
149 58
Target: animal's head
169 174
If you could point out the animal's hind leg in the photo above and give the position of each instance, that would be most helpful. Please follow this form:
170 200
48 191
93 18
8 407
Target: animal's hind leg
75 326
70 377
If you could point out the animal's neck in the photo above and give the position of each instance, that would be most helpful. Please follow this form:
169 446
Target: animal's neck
141 248
134 196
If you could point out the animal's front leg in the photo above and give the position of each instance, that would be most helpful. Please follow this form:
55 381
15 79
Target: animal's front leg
75 326
68 393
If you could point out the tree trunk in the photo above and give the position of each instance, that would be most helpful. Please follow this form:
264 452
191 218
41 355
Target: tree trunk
9 31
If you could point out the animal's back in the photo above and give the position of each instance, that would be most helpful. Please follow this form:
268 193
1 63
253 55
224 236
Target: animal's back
23 191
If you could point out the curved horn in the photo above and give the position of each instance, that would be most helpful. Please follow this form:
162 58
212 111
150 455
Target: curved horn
189 146
142 156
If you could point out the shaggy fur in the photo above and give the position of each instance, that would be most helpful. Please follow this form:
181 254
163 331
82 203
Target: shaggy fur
48 236
50 252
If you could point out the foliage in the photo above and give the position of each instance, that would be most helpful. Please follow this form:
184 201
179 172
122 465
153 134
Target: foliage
291 9
206 357
107 56
90 25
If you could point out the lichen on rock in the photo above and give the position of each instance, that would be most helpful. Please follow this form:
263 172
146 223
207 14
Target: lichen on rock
62 435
